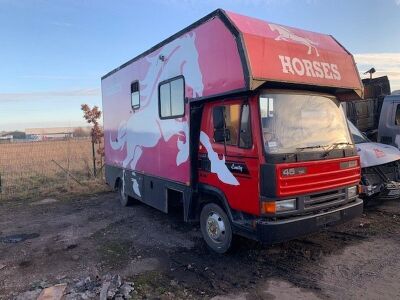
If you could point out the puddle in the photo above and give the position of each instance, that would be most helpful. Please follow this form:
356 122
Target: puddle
16 238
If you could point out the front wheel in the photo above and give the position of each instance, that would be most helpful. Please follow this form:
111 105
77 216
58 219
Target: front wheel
216 228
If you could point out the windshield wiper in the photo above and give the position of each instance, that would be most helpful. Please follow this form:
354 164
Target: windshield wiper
310 147
335 146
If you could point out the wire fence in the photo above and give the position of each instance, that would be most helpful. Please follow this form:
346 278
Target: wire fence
48 169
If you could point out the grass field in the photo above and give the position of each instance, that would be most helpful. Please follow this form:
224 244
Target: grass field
48 168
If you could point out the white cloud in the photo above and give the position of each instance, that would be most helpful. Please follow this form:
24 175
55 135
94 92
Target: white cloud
9 97
397 2
384 64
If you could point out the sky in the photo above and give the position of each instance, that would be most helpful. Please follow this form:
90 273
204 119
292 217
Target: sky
54 52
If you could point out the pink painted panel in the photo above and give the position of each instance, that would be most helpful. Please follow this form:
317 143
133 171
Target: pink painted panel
139 140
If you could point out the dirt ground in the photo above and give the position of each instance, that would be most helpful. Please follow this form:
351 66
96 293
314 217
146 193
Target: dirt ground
51 241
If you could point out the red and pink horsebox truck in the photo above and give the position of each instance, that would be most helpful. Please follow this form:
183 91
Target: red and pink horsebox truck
239 121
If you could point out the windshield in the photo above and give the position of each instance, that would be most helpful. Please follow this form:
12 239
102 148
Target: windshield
358 137
294 121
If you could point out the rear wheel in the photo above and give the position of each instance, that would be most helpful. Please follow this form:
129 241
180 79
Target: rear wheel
124 199
216 228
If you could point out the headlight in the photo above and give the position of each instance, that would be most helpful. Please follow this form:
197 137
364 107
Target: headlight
285 205
272 207
352 192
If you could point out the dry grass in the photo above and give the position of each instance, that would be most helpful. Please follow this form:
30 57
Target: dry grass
29 170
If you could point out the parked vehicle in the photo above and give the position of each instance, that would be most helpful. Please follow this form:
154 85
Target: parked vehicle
389 121
238 120
380 167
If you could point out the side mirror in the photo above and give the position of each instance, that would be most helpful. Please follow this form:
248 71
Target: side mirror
220 135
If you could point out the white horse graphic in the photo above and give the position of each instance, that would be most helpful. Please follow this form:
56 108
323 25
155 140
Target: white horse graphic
218 166
144 128
286 35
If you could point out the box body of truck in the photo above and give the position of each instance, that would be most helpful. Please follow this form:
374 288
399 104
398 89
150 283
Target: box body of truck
240 121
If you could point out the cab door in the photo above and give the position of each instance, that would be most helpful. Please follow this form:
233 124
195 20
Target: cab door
228 153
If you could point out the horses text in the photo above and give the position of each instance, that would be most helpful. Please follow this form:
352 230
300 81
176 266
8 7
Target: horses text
309 68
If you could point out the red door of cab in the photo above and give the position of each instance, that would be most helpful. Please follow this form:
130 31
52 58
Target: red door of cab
238 146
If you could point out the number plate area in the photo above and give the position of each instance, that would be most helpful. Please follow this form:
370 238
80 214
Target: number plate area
328 219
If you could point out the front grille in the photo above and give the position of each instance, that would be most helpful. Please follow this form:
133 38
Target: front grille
324 199
320 177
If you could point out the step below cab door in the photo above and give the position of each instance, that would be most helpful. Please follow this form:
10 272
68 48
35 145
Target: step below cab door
228 156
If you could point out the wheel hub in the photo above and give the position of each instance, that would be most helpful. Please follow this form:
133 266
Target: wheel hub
215 227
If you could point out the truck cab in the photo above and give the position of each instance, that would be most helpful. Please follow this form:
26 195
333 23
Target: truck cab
283 161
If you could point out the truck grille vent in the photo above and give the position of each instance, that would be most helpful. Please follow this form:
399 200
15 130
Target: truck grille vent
325 199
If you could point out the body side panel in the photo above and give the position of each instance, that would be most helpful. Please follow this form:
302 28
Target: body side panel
207 57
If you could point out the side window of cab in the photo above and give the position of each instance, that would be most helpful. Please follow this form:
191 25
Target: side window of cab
232 125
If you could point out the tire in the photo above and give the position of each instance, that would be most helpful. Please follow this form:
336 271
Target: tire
124 199
216 228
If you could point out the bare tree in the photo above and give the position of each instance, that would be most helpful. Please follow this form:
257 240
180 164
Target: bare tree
92 116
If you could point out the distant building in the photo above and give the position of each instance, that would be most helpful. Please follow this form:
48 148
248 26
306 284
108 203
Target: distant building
50 133
6 138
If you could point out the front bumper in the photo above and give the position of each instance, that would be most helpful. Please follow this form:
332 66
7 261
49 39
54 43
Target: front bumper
271 232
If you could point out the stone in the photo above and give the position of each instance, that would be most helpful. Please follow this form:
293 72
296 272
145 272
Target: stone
112 292
117 280
104 290
55 292
80 284
126 289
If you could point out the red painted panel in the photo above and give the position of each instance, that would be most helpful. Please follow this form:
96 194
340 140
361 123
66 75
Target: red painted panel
286 54
243 193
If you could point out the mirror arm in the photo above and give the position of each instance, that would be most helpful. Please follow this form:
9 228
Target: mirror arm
224 134
223 100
